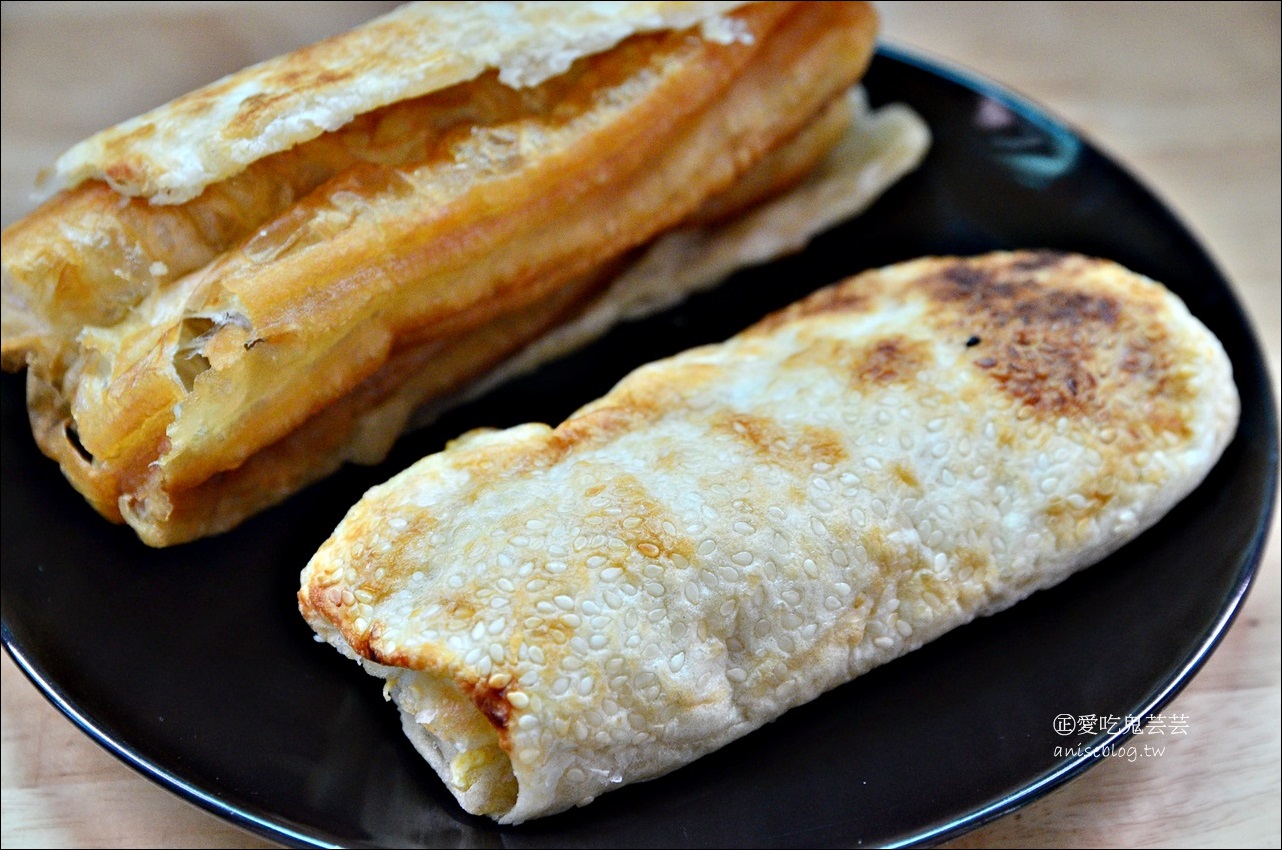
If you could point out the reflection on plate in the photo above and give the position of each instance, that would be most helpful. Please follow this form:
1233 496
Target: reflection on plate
193 665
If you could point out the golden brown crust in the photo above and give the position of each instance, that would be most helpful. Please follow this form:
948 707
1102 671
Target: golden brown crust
172 153
781 168
492 202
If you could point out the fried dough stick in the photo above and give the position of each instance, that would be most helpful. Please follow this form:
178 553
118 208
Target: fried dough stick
507 197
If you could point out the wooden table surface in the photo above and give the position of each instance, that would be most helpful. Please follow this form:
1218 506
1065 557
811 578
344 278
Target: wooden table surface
1186 95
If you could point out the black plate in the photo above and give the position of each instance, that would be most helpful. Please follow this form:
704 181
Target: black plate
192 663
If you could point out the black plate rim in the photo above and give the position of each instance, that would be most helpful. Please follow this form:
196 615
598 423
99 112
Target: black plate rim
277 829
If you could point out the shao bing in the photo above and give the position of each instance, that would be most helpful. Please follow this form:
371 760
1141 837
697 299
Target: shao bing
731 532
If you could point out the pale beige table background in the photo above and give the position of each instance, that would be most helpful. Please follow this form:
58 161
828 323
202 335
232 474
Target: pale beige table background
1185 94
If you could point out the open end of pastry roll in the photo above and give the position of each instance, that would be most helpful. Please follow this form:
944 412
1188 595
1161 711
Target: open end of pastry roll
185 341
733 531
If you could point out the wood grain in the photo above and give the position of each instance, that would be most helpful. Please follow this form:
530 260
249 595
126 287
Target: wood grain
1186 95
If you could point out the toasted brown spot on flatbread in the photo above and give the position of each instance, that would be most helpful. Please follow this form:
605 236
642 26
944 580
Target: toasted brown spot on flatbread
1036 340
640 524
905 476
492 702
806 445
1029 261
889 359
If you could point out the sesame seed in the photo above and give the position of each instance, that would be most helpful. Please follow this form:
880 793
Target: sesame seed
884 642
518 699
743 559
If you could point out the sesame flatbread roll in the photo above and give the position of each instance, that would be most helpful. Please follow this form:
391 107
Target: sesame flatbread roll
735 530
224 285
